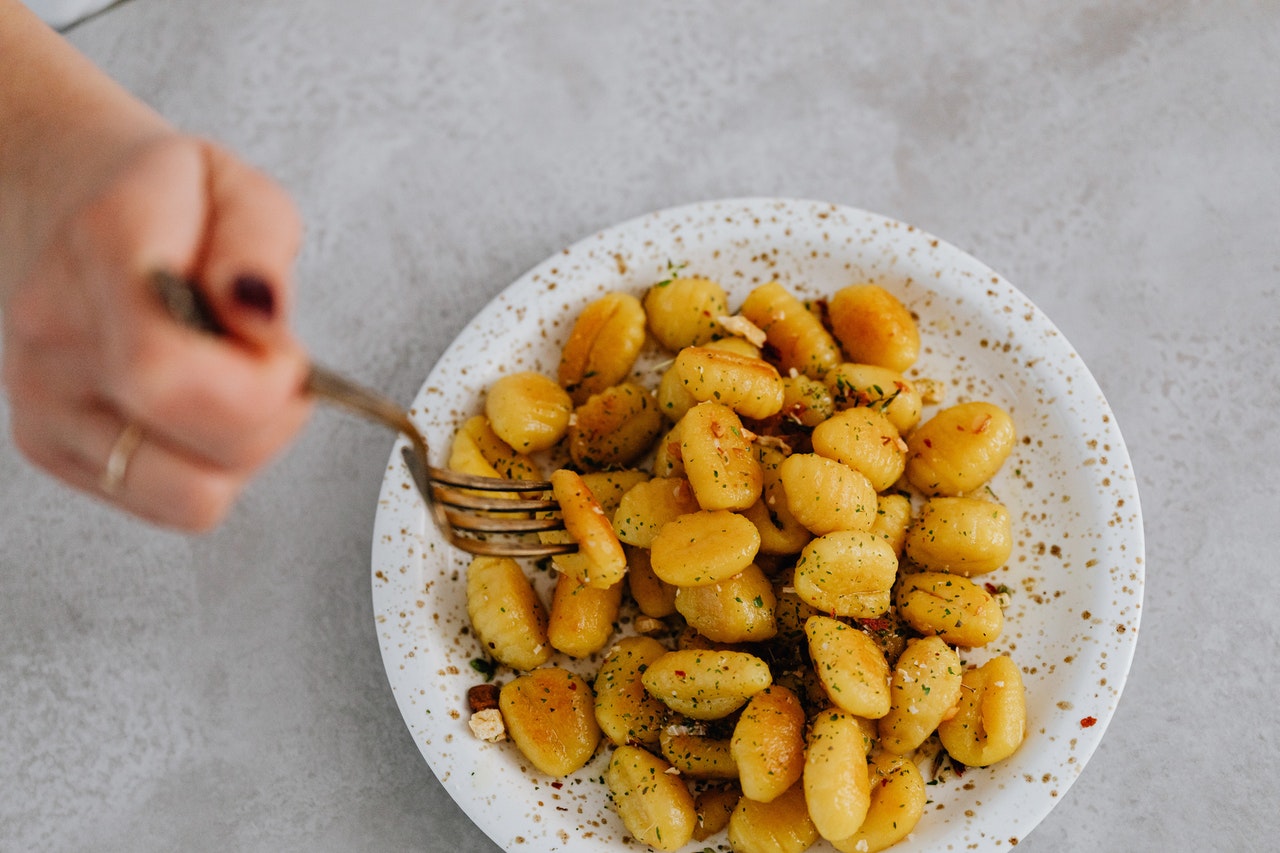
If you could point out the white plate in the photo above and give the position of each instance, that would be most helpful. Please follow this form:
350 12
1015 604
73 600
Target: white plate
1077 573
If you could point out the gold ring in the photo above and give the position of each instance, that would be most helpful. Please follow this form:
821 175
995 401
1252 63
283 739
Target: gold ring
118 460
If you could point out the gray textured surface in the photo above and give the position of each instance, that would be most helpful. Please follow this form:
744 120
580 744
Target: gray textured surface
1115 161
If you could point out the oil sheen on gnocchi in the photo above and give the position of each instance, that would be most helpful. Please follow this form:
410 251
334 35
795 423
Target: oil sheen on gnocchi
779 625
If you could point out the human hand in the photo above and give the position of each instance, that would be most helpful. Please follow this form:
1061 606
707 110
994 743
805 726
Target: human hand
112 396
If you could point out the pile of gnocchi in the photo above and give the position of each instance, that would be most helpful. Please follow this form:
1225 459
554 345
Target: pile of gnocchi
792 548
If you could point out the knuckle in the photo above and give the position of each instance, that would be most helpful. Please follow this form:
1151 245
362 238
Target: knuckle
138 380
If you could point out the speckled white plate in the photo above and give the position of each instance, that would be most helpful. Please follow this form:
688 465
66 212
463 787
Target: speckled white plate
1077 573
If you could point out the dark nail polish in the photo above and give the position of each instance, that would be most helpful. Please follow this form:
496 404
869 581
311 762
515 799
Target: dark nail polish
255 294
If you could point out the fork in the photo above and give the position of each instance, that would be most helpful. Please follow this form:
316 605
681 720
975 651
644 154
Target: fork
465 507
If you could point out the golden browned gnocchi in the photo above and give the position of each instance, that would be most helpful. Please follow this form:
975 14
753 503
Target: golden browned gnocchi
959 449
991 720
600 560
625 711
505 460
647 506
825 495
967 536
893 517
602 346
582 617
847 573
806 401
614 427
653 596
685 312
706 684
897 803
714 806
796 336
695 753
951 607
718 458
550 716
528 411
923 691
768 744
674 399
851 667
864 439
506 614
781 825
749 386
655 806
874 327
837 787
780 531
738 609
881 388
704 547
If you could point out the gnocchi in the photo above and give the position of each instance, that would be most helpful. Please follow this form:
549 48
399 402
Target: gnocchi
872 326
603 345
655 806
625 711
768 744
786 545
550 716
795 334
528 411
967 536
991 719
959 448
825 495
706 685
749 386
684 312
837 788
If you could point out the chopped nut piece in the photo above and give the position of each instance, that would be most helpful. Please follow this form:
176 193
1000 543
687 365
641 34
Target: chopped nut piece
487 725
482 697
931 390
649 625
743 328
772 441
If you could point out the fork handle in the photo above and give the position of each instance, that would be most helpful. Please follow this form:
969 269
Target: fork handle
334 388
186 304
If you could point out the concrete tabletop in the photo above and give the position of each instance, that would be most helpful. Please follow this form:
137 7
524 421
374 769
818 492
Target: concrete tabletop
1117 162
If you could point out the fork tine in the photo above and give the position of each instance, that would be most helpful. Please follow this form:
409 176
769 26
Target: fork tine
509 547
487 484
489 524
462 500
487 535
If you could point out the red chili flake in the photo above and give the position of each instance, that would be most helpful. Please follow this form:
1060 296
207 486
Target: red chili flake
557 785
992 588
1088 722
679 673
874 624
928 443
573 685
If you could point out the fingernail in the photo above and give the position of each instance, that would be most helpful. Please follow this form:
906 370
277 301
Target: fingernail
255 294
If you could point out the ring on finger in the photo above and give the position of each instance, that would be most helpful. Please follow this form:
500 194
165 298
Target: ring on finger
118 460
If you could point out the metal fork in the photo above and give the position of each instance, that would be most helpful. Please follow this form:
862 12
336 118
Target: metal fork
467 509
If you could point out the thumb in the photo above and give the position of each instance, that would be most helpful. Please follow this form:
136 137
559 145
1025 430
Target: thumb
252 237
